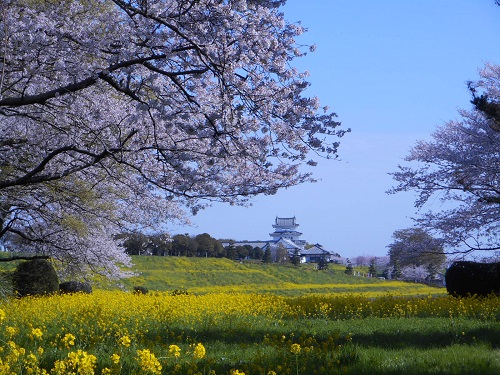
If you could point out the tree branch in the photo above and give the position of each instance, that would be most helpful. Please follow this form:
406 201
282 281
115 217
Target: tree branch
75 87
34 175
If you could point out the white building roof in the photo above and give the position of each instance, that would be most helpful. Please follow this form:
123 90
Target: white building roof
285 222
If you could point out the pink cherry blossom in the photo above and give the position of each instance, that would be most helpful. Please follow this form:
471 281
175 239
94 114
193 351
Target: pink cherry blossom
459 168
120 115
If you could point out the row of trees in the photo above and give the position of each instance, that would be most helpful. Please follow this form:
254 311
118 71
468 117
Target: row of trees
414 254
395 272
201 245
204 245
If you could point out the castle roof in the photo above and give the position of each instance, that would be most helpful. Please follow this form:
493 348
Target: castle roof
282 232
285 222
288 244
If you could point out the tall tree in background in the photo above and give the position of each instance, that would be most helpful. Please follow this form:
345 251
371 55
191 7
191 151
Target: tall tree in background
296 258
461 167
349 270
268 256
414 248
281 254
209 246
372 270
118 115
396 270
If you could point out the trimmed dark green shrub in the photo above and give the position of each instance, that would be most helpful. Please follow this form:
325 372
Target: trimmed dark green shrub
35 277
140 290
75 287
469 278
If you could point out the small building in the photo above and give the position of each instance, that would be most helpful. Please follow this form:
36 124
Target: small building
315 254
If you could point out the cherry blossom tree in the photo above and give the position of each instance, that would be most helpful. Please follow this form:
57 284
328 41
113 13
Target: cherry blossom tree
414 247
122 114
415 274
460 167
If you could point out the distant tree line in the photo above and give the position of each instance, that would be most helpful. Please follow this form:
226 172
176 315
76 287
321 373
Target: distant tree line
201 245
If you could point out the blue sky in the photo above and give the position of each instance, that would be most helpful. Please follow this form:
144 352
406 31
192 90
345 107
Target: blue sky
392 70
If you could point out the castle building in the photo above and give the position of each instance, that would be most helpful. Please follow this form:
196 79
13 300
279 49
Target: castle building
286 235
286 228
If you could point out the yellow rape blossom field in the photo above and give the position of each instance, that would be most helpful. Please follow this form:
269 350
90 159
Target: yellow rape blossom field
359 331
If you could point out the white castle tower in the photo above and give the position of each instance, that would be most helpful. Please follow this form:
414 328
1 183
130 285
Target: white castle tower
286 228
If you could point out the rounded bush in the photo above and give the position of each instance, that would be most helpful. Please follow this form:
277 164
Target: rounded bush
465 278
35 277
140 290
75 287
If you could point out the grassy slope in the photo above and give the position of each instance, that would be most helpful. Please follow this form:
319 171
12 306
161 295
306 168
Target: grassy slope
203 275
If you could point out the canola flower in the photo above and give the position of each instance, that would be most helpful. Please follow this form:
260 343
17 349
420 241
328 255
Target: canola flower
82 360
15 351
115 358
199 351
295 349
79 362
174 350
4 367
125 341
113 313
148 362
31 364
11 331
36 333
68 340
59 367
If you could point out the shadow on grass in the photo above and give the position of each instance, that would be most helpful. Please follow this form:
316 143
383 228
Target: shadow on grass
418 370
404 339
372 333
456 359
410 351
